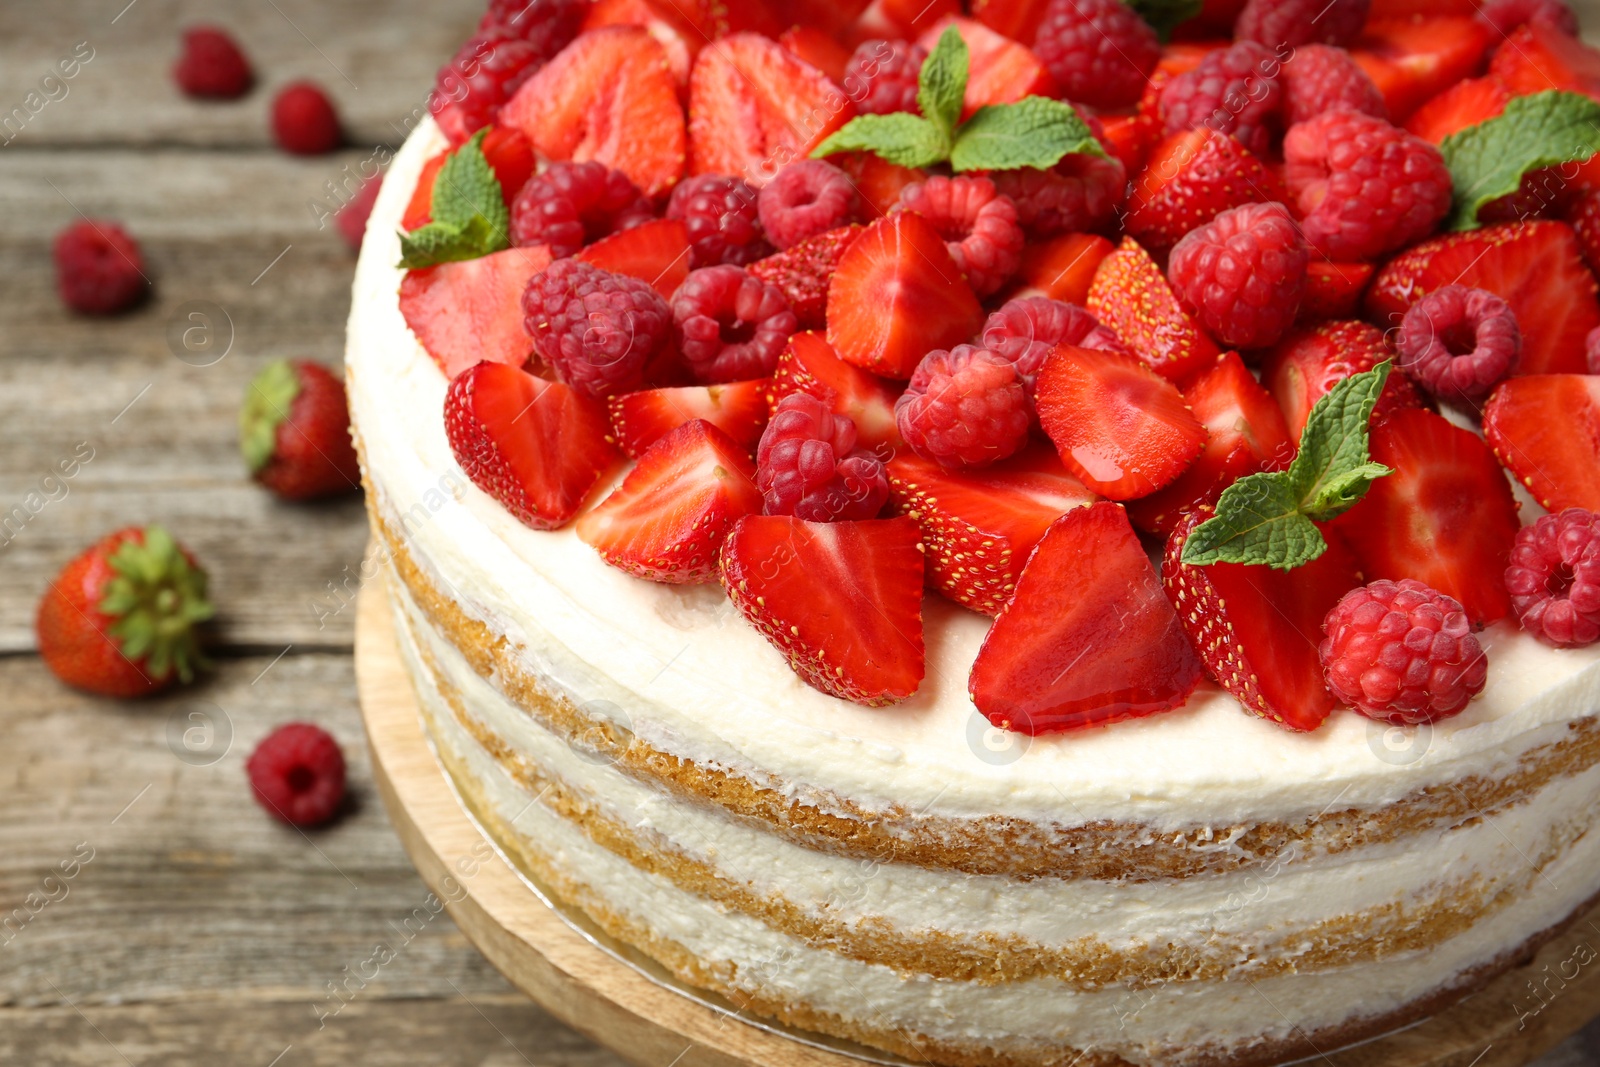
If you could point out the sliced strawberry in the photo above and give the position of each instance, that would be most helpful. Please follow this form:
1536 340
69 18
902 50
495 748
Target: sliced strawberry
911 17
877 180
978 529
1309 362
737 409
1000 71
667 520
1545 429
1131 297
754 107
1464 104
509 155
802 273
1246 434
812 46
1016 19
467 312
1445 517
1257 629
1333 290
671 22
1119 426
1411 60
1536 267
830 16
1089 638
536 446
1191 178
1061 268
897 296
656 252
419 212
810 365
841 600
608 96
1536 58
1131 138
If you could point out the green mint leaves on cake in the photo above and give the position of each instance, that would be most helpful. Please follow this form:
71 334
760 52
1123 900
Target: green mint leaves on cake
470 218
1489 160
1035 132
1270 518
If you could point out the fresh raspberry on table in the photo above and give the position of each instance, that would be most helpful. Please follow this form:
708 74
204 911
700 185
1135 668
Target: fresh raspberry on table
731 325
1234 90
881 77
470 89
1026 330
1364 187
1402 653
1080 194
978 224
724 220
212 65
1459 342
1506 15
808 465
1242 274
1284 24
1554 578
1100 52
304 121
99 268
597 330
297 773
805 199
964 408
571 205
548 25
1322 77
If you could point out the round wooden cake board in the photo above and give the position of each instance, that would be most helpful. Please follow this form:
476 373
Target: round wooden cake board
653 1025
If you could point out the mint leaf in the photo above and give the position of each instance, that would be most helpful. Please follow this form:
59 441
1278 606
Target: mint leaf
439 242
909 140
1165 14
1035 132
470 218
1332 470
1489 160
942 85
1258 520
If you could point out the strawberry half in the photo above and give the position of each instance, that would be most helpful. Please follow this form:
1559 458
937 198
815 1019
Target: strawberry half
1190 179
536 446
841 600
1309 362
802 273
1333 290
656 252
1016 19
737 409
1411 60
999 70
978 529
1445 517
1061 268
811 45
667 520
877 180
897 296
1131 297
1536 58
1118 425
1257 629
1089 638
471 311
1464 104
1545 429
681 34
1536 267
810 365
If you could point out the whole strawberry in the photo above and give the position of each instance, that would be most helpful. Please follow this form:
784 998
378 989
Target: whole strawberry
120 620
294 431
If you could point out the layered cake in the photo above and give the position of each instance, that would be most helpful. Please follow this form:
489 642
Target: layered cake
996 539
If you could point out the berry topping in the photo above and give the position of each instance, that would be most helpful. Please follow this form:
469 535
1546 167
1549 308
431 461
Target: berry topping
1308 363
1412 60
964 408
881 76
1458 343
1324 78
1554 578
294 431
574 204
1026 330
738 409
470 90
1099 52
806 198
1546 430
1591 350
1082 192
1131 298
810 365
1242 274
802 273
1292 23
1333 290
999 70
548 25
1234 90
212 65
598 331
723 216
297 773
730 325
99 268
303 120
1503 16
656 252
978 224
1403 653
1062 268
808 465
471 310
1193 177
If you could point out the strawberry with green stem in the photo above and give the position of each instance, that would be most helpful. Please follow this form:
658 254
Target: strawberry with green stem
294 431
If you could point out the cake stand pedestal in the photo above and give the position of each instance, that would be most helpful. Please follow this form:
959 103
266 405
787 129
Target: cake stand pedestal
652 1025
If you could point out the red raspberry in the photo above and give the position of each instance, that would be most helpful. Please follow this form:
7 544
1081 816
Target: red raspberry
597 330
1554 578
808 465
1591 350
1243 274
1079 194
1100 52
99 269
212 65
1364 187
1321 78
1234 90
548 25
805 199
1026 330
470 89
978 224
1402 653
297 773
882 76
1458 343
1286 24
964 408
724 220
731 326
303 120
574 204
1506 15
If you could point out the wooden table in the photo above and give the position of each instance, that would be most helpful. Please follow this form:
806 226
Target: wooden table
194 930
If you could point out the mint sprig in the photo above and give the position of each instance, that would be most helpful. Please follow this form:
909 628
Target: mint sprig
1035 132
470 218
1270 518
1489 160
